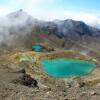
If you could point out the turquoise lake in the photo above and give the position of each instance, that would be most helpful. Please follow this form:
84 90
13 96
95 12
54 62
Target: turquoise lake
62 67
37 48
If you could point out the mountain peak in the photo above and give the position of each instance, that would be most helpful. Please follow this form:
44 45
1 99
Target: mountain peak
71 20
18 14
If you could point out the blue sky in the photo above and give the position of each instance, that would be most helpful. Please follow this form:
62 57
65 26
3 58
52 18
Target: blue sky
86 10
53 4
81 4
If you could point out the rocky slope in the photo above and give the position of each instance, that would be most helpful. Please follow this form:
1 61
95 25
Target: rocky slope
21 79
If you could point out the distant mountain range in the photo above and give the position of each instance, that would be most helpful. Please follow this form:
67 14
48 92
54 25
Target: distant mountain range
20 28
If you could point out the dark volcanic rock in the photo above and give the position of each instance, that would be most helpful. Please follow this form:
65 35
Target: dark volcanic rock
27 80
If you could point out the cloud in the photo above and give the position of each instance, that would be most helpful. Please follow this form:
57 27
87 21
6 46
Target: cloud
90 18
45 10
3 11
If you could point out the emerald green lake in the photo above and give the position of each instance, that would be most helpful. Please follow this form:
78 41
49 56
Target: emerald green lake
60 68
37 47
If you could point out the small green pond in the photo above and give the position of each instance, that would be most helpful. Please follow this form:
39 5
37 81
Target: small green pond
62 67
37 47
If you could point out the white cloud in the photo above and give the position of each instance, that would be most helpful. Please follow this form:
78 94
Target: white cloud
31 3
40 10
3 11
88 17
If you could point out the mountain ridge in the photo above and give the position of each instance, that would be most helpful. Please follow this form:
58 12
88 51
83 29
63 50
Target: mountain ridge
61 33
